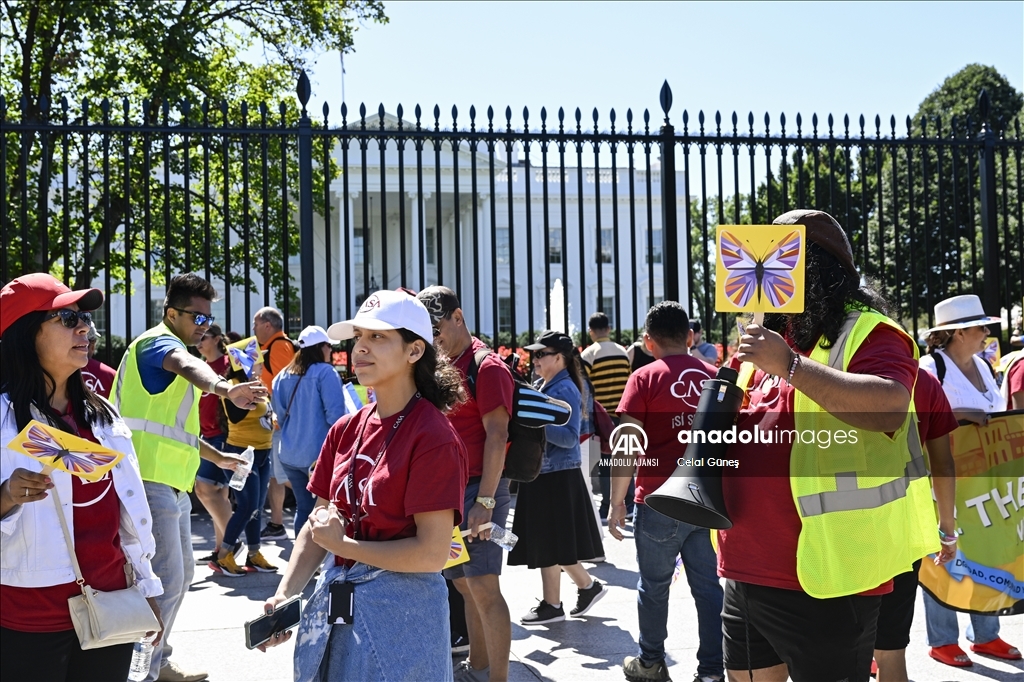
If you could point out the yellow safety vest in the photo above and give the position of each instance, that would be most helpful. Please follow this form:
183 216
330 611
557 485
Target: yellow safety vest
165 426
865 508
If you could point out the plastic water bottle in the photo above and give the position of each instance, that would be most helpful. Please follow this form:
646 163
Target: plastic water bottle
141 658
241 473
505 539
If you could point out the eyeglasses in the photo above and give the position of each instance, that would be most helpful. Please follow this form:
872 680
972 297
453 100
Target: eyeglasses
537 354
199 318
69 318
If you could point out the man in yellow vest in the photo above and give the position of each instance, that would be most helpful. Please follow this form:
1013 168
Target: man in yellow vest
157 391
831 499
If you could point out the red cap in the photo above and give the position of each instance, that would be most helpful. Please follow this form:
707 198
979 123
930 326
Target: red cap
40 291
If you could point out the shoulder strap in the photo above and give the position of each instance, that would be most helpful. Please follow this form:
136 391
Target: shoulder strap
474 369
940 365
291 400
266 357
67 538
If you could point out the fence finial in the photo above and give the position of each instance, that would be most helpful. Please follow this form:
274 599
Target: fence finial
666 99
303 90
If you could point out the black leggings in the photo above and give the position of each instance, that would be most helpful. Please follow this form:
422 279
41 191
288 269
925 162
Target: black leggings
58 657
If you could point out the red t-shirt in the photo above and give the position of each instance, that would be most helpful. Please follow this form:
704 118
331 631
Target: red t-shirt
99 377
935 416
422 470
494 389
1015 380
664 396
760 548
97 516
209 404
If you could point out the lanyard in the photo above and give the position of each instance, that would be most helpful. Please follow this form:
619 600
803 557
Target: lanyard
349 482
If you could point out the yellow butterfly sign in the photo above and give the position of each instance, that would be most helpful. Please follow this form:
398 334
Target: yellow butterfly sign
760 268
244 355
65 452
457 553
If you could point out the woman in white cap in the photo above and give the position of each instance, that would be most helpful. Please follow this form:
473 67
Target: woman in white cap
307 400
389 483
961 327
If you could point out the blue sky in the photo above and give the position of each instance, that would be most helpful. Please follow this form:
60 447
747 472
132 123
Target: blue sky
794 57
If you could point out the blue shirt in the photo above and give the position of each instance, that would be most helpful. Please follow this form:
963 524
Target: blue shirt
563 449
319 402
150 354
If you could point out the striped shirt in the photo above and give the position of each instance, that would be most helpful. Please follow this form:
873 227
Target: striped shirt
607 365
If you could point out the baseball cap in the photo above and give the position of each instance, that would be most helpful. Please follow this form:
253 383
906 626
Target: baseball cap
825 231
439 301
552 339
41 291
312 336
384 310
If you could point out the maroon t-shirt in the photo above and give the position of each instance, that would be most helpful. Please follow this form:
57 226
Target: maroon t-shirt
1015 380
494 389
760 548
423 469
663 395
99 377
935 416
209 404
97 518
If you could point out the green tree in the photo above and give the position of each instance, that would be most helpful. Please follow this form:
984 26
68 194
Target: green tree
147 63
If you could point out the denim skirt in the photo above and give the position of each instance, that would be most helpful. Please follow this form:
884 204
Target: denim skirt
399 631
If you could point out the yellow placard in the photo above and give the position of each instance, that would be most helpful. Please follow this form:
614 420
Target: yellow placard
245 355
62 451
991 353
457 553
760 268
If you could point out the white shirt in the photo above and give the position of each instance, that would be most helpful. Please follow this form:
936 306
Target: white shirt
33 551
961 393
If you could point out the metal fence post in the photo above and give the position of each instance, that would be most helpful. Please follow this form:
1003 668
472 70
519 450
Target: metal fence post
306 256
669 219
989 226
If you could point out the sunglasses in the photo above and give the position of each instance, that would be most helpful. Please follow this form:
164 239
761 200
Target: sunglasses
537 354
69 318
199 318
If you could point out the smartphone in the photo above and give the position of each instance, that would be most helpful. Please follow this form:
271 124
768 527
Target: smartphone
284 617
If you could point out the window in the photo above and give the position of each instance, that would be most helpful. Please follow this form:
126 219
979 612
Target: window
504 314
651 302
608 308
656 246
99 318
554 245
431 246
501 247
604 255
156 309
359 258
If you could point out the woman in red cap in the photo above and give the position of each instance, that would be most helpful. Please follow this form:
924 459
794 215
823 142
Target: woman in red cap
43 348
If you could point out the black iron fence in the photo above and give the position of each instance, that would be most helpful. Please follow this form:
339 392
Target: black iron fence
534 222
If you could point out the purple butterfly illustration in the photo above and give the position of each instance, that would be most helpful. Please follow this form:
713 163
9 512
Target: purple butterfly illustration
40 444
768 274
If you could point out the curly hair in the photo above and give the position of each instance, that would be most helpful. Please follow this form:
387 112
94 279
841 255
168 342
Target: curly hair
436 378
831 292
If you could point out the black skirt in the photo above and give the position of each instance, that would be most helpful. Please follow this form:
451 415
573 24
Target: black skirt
554 519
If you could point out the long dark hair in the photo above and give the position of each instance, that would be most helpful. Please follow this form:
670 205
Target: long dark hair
305 358
831 289
26 382
436 379
575 370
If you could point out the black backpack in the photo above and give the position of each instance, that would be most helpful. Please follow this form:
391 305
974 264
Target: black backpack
266 353
940 367
531 410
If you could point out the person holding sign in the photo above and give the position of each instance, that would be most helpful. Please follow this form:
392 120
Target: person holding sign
389 483
826 433
969 383
43 327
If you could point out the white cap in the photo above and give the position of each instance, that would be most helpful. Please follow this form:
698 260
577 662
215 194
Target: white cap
387 310
313 335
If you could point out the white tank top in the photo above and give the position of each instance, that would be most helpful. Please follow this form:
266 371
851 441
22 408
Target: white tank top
959 390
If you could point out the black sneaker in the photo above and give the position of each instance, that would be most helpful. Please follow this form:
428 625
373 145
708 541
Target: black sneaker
460 645
543 613
587 598
635 670
273 531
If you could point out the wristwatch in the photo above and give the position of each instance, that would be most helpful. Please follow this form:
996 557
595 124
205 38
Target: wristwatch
487 502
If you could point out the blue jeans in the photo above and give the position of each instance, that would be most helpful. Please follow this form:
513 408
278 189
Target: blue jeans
304 500
172 561
249 501
943 628
659 540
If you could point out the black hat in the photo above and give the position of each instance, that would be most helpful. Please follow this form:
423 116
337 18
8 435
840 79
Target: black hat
695 325
440 302
553 339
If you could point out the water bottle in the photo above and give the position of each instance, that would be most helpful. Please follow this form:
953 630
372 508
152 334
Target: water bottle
505 539
241 473
141 658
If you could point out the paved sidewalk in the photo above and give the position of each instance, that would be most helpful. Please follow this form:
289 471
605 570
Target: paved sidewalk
208 633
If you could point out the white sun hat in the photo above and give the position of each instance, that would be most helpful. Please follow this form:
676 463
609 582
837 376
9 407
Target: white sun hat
313 335
384 310
960 312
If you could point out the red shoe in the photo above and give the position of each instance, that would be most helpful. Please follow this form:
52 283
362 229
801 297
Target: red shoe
997 648
874 668
951 654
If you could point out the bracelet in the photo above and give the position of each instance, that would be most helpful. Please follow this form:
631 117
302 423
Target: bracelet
948 543
947 539
793 365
